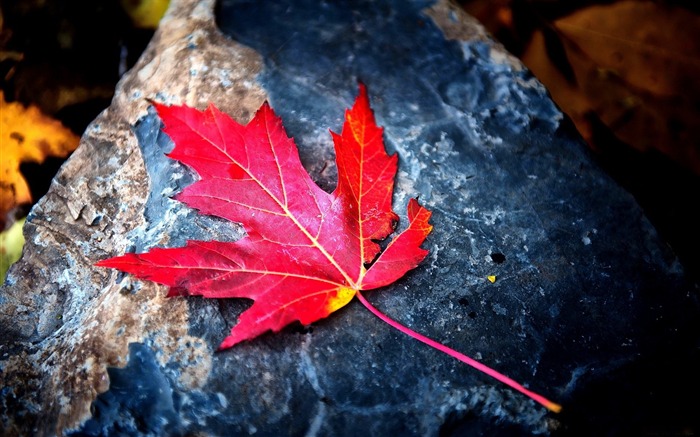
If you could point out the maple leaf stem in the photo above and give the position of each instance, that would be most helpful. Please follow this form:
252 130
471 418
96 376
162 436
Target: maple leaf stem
460 356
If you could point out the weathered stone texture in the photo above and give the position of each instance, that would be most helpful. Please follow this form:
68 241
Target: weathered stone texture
586 295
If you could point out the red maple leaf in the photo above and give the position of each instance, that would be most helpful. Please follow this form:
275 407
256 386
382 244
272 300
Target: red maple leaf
307 253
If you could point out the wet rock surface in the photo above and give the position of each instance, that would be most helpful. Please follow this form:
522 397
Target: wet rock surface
589 307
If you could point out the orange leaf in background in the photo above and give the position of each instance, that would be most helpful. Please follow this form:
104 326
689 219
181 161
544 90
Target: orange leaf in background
26 135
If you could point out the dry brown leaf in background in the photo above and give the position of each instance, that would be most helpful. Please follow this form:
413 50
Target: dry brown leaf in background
26 135
493 14
567 95
648 45
635 66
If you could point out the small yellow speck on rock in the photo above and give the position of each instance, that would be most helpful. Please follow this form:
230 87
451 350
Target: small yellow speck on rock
491 278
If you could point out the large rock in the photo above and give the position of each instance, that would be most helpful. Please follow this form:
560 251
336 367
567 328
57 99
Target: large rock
589 307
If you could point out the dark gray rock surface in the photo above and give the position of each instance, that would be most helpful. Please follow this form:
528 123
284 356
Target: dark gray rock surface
590 307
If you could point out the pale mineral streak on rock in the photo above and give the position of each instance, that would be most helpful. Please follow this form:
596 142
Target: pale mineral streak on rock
457 25
64 321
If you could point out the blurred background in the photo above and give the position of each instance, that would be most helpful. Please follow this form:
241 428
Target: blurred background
625 73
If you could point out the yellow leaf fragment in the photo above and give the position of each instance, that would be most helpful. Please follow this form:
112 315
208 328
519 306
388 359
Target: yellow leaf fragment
145 14
26 135
11 242
491 278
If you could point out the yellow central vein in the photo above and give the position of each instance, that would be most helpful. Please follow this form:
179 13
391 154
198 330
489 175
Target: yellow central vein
359 136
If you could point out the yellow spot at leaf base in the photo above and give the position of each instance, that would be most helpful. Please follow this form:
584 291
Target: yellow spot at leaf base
341 298
491 278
